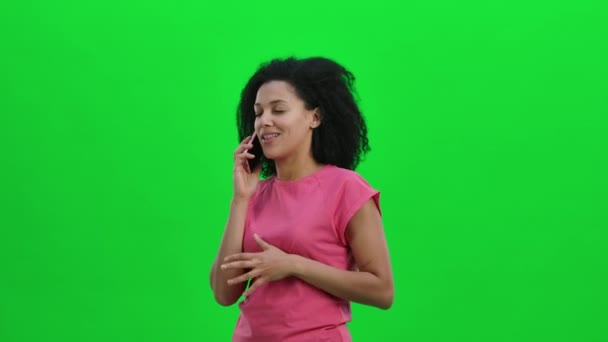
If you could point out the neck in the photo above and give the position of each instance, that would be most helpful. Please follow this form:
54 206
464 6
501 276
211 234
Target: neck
293 169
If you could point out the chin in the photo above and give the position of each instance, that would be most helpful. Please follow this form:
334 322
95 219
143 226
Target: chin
272 156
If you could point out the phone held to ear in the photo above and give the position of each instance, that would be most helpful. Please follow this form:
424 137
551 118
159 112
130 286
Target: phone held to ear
256 150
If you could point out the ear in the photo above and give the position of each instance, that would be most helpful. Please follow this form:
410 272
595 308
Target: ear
316 118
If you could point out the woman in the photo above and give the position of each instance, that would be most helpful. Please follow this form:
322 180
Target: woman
308 238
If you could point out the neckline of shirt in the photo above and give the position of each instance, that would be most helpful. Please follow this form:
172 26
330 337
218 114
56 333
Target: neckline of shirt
301 179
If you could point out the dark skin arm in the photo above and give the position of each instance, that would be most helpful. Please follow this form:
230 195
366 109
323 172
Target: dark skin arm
372 284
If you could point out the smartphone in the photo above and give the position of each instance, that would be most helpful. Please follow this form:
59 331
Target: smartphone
256 150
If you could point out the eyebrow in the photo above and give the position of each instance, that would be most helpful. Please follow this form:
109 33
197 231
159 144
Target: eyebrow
271 102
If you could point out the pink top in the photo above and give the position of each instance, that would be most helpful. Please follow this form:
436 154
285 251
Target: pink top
307 216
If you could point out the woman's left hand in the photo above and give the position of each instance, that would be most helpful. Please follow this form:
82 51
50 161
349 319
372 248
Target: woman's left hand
269 265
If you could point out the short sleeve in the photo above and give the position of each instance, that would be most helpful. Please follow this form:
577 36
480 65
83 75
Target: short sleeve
351 196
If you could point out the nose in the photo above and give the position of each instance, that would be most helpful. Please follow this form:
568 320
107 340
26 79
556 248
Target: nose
265 119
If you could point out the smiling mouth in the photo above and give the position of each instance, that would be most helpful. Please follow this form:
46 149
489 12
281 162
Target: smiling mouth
269 137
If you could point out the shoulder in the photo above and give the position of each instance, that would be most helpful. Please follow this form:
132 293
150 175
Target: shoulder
339 177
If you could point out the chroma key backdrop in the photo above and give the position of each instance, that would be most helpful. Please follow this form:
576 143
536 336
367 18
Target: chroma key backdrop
488 127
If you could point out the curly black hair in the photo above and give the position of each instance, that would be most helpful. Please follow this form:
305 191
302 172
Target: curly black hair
341 138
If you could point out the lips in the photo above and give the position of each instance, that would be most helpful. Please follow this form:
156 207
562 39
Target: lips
269 137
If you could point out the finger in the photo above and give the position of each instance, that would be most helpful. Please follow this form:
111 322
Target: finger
242 148
257 283
243 156
249 144
242 159
252 136
246 139
246 166
239 264
249 140
245 144
243 277
239 256
265 245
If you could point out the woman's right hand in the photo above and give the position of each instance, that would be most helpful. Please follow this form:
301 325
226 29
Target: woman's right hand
245 182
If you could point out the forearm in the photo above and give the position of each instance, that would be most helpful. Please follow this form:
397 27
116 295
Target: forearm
232 242
361 287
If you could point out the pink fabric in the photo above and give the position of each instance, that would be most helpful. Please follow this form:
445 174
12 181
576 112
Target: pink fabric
308 217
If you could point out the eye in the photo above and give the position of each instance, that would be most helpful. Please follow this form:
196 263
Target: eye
279 111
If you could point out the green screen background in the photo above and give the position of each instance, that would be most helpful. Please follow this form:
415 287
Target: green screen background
487 121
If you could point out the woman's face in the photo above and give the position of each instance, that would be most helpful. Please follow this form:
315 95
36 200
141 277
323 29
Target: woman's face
282 123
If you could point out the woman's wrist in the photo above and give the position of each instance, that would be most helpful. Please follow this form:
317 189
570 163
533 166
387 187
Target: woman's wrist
240 200
296 265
